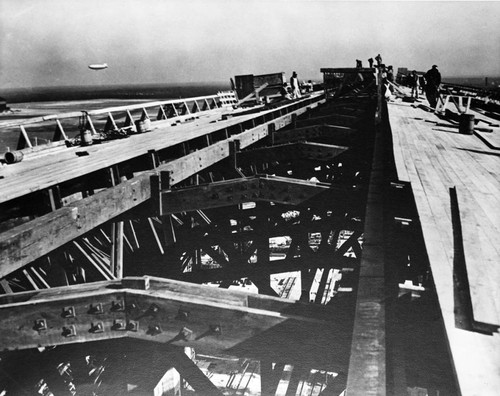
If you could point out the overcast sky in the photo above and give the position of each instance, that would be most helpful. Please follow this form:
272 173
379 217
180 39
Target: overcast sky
51 42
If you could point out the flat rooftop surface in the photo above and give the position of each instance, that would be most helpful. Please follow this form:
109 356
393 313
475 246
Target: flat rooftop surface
455 179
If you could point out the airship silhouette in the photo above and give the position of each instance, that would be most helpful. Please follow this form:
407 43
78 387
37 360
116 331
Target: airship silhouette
98 66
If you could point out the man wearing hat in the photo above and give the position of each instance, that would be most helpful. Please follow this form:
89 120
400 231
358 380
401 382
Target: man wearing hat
433 81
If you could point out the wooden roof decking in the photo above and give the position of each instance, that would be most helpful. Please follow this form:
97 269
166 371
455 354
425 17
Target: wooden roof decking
63 163
28 241
455 180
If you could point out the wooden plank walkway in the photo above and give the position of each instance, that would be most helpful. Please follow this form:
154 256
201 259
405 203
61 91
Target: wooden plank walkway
455 180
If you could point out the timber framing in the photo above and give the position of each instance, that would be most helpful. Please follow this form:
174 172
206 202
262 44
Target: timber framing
264 188
175 313
367 371
292 151
316 130
138 245
22 244
271 267
143 240
209 200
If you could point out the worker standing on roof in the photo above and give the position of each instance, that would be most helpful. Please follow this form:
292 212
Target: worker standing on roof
414 83
433 81
294 82
390 74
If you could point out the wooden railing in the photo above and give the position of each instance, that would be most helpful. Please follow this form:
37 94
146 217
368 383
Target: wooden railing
114 118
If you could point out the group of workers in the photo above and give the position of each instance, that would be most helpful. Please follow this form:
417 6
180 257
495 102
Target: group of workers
386 74
430 83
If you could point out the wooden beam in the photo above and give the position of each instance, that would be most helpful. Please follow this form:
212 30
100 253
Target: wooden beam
367 366
263 283
334 132
117 238
320 151
59 132
23 244
105 272
24 140
40 277
164 311
5 286
191 372
268 268
30 279
292 151
123 151
336 119
254 94
214 236
134 235
169 234
155 234
236 191
219 258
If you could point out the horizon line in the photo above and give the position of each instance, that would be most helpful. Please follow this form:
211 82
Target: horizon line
184 83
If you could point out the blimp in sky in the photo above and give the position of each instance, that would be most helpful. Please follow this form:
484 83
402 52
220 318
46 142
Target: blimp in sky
98 66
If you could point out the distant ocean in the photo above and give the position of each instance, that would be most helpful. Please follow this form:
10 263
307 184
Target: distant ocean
143 91
26 103
480 82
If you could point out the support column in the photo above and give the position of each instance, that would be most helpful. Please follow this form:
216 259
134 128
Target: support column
117 249
263 282
307 278
322 287
170 237
116 231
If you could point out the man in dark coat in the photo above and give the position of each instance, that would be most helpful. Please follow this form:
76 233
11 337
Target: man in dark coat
433 81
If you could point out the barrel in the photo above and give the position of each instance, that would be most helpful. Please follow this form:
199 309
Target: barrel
11 157
466 124
143 125
86 137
